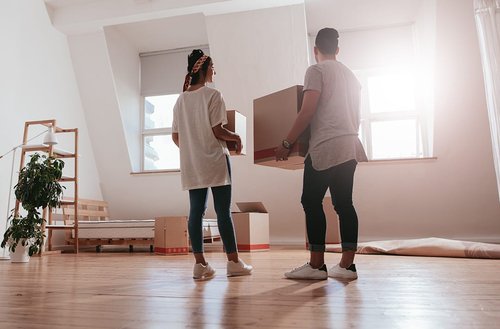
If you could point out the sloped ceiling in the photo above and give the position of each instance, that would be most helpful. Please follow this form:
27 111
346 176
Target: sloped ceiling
152 25
84 16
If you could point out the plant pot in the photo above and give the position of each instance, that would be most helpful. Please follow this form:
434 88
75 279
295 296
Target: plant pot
20 255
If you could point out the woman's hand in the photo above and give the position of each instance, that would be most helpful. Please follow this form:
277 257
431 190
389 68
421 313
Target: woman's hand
223 134
239 146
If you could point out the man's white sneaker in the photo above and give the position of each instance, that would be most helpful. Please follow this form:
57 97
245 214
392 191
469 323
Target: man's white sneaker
203 272
338 272
237 269
307 272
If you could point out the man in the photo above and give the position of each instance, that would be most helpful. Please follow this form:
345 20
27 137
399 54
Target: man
330 107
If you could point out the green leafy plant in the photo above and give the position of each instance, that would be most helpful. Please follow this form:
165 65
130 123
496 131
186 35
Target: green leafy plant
37 188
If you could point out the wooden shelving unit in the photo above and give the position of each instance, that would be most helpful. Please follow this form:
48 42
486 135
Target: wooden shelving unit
50 150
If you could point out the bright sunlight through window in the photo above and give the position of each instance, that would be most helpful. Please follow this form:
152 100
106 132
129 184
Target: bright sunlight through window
391 93
391 122
159 151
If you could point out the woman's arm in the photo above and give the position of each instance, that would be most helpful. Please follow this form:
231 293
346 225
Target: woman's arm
175 138
223 134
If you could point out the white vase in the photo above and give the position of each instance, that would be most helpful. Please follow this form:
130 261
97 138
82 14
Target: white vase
20 255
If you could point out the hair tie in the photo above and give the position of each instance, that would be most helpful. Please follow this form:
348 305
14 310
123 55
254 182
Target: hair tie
198 64
187 79
196 67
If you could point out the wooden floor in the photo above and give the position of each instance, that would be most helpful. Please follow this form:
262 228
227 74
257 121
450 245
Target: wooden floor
143 290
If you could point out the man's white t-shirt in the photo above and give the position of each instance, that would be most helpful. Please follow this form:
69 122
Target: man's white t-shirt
203 157
334 126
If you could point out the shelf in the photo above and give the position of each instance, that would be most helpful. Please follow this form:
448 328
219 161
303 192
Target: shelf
65 203
57 153
60 154
34 148
59 227
67 179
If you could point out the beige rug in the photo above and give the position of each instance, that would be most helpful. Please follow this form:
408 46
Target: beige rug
435 247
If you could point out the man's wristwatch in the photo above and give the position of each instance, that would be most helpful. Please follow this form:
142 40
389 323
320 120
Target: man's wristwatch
286 144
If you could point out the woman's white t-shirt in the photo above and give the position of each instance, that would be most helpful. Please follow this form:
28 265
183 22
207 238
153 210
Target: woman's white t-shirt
203 157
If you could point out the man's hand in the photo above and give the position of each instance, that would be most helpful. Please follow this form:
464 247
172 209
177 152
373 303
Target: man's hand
282 153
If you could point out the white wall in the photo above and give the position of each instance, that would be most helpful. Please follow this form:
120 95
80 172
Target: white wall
394 199
38 82
263 51
146 196
126 68
455 195
129 196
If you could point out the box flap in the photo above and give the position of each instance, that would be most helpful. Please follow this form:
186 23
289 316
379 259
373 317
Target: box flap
251 207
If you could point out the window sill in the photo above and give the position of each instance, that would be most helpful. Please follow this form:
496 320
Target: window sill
149 172
401 160
378 161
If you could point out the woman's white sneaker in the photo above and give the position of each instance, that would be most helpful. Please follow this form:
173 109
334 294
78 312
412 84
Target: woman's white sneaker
338 272
203 272
239 268
307 272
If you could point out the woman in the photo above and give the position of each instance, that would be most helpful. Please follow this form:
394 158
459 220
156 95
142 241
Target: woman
197 129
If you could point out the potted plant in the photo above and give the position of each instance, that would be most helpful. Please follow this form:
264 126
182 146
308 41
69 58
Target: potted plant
37 188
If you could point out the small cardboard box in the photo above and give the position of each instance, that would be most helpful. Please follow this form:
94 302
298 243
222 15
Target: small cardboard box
251 225
332 223
171 235
273 117
237 123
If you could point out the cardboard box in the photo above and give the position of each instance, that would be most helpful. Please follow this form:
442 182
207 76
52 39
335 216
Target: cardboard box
332 223
171 236
273 117
251 225
237 123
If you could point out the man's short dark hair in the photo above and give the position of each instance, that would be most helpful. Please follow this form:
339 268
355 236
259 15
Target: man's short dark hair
327 41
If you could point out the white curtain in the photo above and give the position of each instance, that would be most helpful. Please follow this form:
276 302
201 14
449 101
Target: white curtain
487 14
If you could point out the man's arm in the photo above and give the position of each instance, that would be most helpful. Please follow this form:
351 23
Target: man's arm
304 117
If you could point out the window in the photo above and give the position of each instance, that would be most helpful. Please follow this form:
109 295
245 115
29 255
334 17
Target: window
159 151
391 122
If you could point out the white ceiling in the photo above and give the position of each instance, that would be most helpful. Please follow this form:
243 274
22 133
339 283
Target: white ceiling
347 15
56 4
166 33
152 25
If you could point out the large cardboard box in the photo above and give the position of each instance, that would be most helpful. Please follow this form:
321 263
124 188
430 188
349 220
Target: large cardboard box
251 225
332 223
171 235
273 117
237 123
